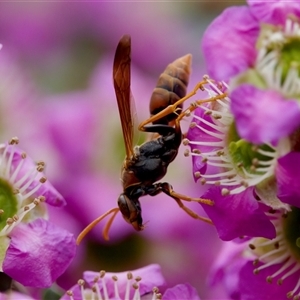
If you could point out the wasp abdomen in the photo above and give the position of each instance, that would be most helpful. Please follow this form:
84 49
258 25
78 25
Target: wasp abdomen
171 86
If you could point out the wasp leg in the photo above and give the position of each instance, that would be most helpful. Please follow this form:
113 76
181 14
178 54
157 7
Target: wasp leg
190 212
173 107
187 198
197 103
168 190
161 129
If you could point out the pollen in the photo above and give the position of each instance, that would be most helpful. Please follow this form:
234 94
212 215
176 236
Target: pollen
185 142
186 153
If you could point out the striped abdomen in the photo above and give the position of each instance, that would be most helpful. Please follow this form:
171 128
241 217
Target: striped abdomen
171 86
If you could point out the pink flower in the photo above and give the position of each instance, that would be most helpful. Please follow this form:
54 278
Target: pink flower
260 268
260 63
31 245
128 285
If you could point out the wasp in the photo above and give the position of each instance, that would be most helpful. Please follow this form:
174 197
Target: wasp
146 164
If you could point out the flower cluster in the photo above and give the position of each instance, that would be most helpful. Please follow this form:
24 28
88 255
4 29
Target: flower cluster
128 285
34 251
52 93
245 143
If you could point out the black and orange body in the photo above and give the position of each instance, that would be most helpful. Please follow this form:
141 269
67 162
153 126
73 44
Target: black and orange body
146 164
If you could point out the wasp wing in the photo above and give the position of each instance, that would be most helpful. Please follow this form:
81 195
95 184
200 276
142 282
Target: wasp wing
121 78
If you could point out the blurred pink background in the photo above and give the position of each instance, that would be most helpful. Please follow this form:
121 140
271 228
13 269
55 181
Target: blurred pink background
56 95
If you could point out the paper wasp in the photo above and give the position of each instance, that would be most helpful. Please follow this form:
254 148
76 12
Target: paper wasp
146 164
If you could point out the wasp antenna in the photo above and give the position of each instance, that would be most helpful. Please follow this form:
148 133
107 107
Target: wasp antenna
105 231
88 228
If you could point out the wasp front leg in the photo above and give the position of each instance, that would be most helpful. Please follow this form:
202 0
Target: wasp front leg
166 188
173 108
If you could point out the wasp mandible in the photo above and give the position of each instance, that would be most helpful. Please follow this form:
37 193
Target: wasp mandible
146 164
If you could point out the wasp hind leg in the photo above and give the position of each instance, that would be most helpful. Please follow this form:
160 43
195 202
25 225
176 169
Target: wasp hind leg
166 188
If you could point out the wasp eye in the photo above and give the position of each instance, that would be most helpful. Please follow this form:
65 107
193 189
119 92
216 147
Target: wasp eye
131 211
122 203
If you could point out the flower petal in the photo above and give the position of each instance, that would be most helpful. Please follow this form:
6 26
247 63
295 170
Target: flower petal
228 273
151 277
259 114
53 197
253 287
274 12
287 176
229 43
237 215
181 292
39 252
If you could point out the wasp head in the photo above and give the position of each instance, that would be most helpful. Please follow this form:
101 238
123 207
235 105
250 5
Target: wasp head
131 211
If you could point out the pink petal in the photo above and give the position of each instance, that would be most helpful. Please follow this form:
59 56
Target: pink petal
274 12
263 116
287 176
39 252
229 43
253 287
180 292
237 215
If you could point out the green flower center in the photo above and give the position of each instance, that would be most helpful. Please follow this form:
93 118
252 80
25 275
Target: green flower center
8 202
291 231
290 56
245 154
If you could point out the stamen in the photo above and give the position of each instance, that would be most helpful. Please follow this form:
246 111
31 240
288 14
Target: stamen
102 276
14 141
291 293
128 285
283 268
9 161
231 177
186 152
81 284
12 222
232 174
214 126
155 294
115 279
18 168
136 295
97 291
280 256
268 62
9 222
70 294
292 271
